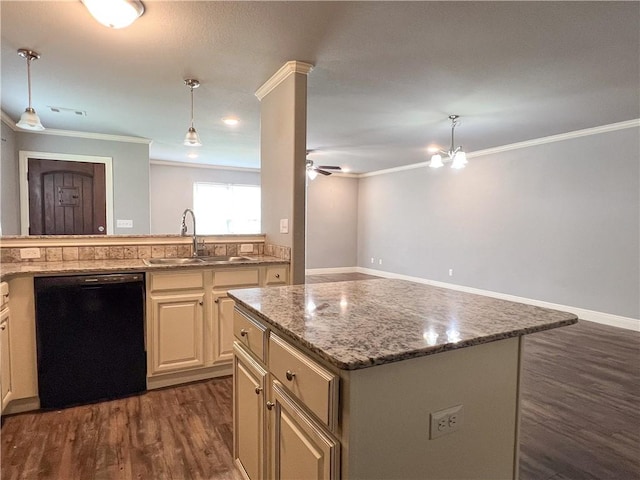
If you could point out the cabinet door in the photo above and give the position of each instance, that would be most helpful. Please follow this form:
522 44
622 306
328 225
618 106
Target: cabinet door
299 448
249 382
222 327
5 358
178 332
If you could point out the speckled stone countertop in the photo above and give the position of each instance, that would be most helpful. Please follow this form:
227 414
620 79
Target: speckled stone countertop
363 323
107 266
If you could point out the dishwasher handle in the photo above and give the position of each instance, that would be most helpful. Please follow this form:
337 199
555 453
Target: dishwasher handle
88 280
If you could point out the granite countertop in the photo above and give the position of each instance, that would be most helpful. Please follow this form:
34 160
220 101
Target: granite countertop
363 323
107 266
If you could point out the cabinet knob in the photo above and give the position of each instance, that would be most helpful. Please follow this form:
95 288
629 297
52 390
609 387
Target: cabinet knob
217 300
200 302
277 275
3 327
290 375
258 389
270 405
243 332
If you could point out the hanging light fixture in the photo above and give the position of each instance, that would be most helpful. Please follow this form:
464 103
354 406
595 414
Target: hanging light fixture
192 139
455 155
114 13
29 119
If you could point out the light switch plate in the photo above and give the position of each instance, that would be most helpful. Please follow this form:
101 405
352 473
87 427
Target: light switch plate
124 223
284 225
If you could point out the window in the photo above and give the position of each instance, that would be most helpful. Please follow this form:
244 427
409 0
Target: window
226 208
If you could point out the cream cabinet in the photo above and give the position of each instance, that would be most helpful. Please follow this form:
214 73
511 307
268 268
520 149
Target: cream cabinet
190 320
249 432
299 407
5 348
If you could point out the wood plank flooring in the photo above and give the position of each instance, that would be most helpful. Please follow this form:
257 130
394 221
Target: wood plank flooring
580 420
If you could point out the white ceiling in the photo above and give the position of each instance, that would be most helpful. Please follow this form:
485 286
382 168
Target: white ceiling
386 76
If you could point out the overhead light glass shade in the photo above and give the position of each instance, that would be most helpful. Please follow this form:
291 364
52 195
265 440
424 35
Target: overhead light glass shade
114 13
312 174
459 160
436 161
192 139
30 120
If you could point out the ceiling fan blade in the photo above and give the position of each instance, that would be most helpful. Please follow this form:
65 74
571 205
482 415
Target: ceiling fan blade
330 167
322 171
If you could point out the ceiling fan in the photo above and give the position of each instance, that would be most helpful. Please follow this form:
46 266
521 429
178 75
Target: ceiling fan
314 170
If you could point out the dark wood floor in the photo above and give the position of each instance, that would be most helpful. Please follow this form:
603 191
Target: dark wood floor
580 420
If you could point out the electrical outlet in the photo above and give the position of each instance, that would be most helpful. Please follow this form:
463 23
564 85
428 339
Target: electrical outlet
380 262
29 253
246 248
451 272
373 260
446 421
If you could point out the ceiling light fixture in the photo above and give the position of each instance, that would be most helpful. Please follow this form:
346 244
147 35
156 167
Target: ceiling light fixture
29 119
114 13
192 139
231 121
456 155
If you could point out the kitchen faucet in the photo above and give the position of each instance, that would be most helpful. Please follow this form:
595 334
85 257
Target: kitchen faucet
183 229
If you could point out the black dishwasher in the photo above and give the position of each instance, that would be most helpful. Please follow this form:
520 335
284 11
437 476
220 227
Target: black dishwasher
90 338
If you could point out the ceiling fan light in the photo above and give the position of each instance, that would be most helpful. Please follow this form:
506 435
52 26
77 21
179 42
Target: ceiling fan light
192 139
459 160
30 120
436 161
312 174
114 13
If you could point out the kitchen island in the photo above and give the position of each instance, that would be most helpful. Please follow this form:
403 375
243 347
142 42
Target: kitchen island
379 379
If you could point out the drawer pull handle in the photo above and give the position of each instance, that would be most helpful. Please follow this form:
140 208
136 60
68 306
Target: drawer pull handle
243 332
290 375
270 405
217 300
3 327
258 390
200 302
277 275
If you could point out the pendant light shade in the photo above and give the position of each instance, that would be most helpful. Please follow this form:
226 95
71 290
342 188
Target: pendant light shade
29 119
114 13
192 139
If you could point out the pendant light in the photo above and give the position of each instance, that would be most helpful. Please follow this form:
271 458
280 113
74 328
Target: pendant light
114 13
192 139
455 154
29 119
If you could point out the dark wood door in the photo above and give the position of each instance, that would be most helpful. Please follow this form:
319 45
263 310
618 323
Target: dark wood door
66 198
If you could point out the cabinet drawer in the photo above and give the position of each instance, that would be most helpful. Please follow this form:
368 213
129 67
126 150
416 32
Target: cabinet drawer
249 333
276 275
314 386
246 277
177 280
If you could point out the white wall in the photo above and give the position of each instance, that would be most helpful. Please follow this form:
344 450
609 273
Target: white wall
9 191
332 222
171 191
558 222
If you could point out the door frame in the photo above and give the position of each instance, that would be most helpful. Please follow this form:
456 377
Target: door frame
24 157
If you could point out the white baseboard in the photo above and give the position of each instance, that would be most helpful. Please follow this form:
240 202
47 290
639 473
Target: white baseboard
327 271
584 314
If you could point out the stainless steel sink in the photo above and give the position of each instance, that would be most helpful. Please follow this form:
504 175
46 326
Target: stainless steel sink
224 259
194 260
173 261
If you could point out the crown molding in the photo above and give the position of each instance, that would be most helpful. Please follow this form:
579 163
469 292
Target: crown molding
169 163
612 127
71 133
278 77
